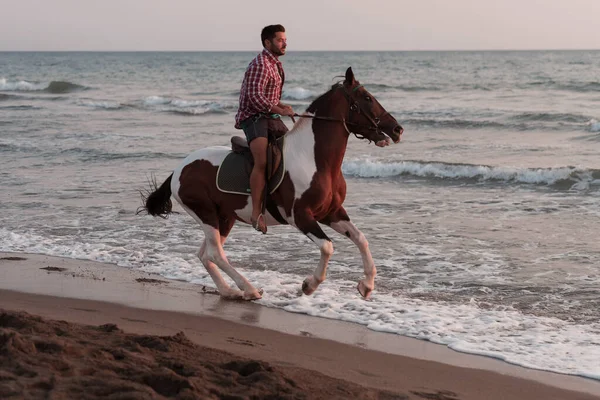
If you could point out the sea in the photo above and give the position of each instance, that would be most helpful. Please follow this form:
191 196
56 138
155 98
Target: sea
483 221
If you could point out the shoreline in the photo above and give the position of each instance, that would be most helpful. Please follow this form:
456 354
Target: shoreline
81 291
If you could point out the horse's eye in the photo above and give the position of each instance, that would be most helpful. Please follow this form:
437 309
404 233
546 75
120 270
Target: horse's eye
368 98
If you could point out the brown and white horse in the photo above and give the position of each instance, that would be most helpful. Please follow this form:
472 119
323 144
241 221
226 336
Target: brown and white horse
312 191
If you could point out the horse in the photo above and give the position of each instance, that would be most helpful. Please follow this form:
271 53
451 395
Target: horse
312 191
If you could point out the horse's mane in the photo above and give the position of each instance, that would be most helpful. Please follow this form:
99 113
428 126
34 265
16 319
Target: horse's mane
316 104
323 98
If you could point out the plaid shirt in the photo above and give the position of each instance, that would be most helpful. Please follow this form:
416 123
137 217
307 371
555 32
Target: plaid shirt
261 88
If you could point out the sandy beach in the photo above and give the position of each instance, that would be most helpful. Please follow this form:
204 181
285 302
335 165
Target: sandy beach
81 329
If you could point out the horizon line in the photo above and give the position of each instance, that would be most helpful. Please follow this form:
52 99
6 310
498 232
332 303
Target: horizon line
300 51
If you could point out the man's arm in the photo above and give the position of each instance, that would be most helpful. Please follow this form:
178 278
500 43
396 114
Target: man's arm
257 81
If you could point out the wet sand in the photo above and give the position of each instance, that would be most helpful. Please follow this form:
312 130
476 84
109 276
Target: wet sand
80 329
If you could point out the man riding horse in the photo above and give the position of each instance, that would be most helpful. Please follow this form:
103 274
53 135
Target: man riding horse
310 194
260 108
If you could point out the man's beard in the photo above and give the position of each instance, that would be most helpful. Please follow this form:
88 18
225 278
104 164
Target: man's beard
278 52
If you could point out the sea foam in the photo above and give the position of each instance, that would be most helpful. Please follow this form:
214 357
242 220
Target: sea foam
190 107
20 85
297 93
545 176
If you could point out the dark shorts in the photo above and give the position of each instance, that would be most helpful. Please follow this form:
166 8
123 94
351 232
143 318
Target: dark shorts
261 126
255 127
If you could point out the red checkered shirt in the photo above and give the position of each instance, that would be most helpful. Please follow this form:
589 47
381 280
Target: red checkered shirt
261 88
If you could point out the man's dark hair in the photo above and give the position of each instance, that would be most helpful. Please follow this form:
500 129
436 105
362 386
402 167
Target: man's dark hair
269 32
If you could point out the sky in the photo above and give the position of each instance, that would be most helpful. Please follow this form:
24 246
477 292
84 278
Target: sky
228 25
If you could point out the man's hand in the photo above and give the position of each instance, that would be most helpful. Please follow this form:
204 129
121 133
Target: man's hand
283 109
287 110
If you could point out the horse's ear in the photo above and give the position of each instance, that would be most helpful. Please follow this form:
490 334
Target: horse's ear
349 77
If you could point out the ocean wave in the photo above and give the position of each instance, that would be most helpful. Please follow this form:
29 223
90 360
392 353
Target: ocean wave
571 86
6 97
297 93
63 87
561 178
580 87
456 123
419 88
188 107
541 81
8 148
20 107
469 86
107 105
425 88
551 117
56 87
594 126
382 87
527 121
379 87
20 86
99 155
194 111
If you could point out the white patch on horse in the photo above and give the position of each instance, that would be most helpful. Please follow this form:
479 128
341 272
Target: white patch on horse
299 153
214 155
245 213
324 244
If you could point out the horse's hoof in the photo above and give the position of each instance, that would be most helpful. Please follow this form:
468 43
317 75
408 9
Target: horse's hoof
306 289
364 291
255 295
233 294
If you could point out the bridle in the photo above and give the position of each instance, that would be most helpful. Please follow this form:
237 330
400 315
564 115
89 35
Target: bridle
354 108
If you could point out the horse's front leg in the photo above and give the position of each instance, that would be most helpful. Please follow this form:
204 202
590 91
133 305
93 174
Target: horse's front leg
341 223
307 225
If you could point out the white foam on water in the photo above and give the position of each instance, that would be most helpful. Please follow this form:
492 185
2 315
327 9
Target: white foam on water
542 343
156 100
192 107
297 93
377 169
533 342
21 85
107 105
594 126
189 103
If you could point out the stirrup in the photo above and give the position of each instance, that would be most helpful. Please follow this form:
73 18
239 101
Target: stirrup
257 224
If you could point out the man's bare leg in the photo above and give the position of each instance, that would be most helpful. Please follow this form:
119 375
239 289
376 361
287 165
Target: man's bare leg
258 147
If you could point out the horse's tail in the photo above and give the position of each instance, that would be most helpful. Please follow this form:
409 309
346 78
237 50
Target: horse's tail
157 200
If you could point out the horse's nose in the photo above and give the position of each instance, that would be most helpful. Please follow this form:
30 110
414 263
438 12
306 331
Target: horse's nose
398 130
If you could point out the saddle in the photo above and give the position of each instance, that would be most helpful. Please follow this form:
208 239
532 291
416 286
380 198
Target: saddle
233 175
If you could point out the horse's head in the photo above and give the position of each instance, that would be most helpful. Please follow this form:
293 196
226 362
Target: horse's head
366 117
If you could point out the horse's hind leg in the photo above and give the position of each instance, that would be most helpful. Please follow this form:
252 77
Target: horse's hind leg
224 289
211 252
214 253
348 229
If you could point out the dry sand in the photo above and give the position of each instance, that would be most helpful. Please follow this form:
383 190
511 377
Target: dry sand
76 329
